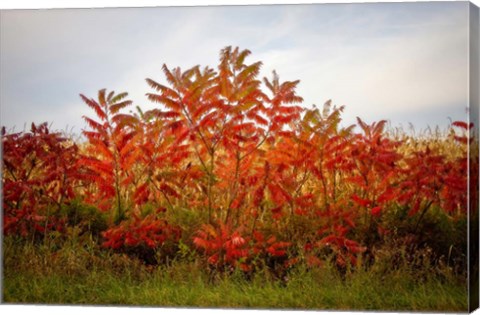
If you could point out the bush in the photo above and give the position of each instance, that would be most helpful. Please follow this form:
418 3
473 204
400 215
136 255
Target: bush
87 217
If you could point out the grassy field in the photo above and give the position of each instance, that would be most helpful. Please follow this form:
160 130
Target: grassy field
77 276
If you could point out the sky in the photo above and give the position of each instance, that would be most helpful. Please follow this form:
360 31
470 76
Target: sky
404 62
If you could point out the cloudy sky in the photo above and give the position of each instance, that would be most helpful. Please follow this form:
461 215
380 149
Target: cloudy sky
405 62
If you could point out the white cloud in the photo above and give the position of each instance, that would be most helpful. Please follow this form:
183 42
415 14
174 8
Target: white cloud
421 68
379 60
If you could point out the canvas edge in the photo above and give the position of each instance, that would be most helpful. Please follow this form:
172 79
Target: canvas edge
1 187
473 220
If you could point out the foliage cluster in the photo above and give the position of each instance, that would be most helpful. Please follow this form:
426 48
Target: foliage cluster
232 168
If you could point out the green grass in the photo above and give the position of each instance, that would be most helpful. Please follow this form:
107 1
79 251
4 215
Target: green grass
35 275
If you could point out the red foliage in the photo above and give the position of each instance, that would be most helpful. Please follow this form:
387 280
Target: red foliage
227 248
149 231
223 246
249 160
39 176
111 153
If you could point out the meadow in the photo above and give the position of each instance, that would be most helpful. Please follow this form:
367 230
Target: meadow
232 193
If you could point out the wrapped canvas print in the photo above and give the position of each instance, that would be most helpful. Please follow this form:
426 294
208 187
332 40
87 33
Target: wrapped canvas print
300 157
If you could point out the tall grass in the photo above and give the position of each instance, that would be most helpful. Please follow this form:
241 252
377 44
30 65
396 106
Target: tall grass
78 275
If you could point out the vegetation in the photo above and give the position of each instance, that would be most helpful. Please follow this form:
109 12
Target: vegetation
231 186
81 275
